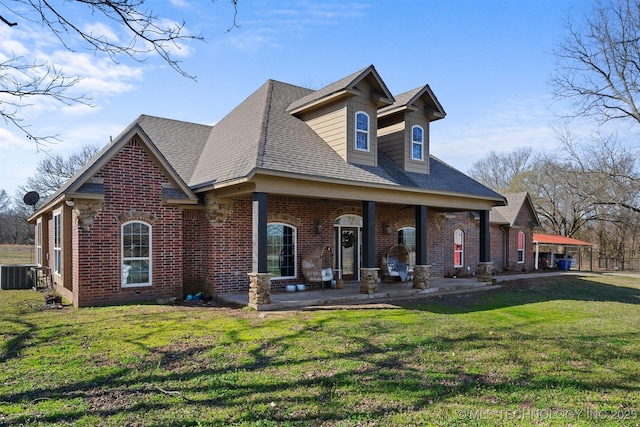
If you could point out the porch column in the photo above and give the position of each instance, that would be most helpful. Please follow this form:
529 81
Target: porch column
259 277
368 234
484 269
421 269
421 235
368 271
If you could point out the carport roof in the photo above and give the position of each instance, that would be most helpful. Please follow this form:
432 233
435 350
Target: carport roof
553 239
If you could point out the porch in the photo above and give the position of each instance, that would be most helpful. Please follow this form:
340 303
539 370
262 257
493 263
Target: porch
350 293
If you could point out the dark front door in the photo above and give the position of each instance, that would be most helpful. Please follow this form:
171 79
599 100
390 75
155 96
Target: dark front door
349 252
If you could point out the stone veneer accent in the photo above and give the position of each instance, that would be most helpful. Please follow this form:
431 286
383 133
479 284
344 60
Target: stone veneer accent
484 271
86 211
134 215
259 289
369 280
421 276
217 210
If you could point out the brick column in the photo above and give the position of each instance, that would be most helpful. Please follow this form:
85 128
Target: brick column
259 289
369 280
484 271
421 276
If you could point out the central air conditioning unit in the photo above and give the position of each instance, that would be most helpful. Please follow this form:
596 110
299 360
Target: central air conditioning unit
15 277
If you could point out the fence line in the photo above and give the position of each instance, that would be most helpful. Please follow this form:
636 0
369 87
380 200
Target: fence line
618 263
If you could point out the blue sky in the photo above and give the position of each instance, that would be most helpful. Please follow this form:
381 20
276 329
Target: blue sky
488 62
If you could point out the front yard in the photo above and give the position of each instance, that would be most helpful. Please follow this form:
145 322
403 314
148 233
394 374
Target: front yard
552 351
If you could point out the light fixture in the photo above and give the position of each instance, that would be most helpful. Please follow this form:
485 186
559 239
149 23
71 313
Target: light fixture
386 228
70 203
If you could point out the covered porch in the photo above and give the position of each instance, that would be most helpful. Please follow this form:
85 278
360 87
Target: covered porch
351 295
359 236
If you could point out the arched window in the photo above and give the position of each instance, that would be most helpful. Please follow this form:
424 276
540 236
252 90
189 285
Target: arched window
458 248
417 143
136 254
281 250
521 240
362 131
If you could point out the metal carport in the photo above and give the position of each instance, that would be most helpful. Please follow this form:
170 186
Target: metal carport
554 240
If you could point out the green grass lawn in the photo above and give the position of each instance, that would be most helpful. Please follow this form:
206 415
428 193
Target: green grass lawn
553 351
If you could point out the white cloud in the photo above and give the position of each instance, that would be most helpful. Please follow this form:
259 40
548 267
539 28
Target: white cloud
98 76
510 125
274 23
101 32
180 4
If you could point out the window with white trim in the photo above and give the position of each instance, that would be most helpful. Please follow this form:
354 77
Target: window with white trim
417 143
39 242
407 237
521 240
362 131
57 242
458 248
281 250
136 254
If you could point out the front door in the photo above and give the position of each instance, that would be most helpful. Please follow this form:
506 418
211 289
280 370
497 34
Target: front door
349 257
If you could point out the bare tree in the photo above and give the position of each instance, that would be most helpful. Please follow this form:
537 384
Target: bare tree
501 171
551 184
145 33
610 166
54 170
598 63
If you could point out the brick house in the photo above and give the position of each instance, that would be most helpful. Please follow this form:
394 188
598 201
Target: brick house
512 229
171 207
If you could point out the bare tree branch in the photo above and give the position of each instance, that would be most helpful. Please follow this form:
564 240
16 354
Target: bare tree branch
11 24
143 34
598 64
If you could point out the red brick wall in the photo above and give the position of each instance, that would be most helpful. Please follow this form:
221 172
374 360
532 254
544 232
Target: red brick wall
498 243
505 248
440 243
217 258
133 190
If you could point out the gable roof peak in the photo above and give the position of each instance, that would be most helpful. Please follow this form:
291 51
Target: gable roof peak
346 85
515 203
408 99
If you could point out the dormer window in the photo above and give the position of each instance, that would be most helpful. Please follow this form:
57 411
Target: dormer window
417 143
362 131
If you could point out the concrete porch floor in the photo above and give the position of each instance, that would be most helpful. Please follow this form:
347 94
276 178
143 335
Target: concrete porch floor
350 294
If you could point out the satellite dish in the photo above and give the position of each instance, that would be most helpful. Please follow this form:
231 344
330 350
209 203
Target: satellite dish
31 198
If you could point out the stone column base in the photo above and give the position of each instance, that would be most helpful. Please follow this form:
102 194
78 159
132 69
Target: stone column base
484 271
259 289
369 280
421 276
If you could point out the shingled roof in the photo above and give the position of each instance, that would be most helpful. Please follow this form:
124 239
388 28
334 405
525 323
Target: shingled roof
347 83
508 214
407 100
260 135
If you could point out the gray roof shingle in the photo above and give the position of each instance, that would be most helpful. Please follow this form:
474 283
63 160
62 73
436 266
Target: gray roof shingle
260 134
508 214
